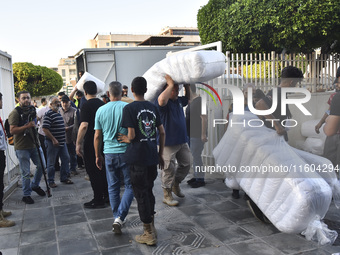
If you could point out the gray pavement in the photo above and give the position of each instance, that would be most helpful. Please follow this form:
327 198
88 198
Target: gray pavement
207 221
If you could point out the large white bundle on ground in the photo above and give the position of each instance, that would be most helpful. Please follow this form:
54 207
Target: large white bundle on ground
314 142
291 193
89 77
186 67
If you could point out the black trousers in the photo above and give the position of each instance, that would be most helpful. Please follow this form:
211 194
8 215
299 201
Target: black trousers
97 176
2 171
142 180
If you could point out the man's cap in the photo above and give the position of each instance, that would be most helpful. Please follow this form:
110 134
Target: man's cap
65 98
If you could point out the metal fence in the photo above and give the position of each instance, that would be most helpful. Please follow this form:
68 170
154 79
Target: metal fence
263 69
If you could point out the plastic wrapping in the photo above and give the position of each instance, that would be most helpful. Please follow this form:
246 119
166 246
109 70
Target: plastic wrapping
186 67
318 231
89 77
291 192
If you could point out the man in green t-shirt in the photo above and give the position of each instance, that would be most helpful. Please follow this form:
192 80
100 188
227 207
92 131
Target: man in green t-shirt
22 123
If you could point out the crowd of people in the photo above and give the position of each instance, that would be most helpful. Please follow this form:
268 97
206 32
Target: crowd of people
125 141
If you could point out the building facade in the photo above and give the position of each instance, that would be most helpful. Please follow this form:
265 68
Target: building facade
177 36
68 71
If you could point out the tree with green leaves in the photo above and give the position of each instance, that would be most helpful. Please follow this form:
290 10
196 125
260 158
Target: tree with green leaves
299 26
38 80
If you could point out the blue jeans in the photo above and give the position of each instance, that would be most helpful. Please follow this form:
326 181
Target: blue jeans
196 147
52 153
24 157
71 148
114 163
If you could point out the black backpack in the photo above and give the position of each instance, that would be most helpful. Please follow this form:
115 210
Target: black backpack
10 138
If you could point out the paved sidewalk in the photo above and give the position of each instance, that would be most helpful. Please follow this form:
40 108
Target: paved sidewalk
207 221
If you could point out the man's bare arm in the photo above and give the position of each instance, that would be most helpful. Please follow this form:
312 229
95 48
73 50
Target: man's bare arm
80 137
332 125
18 130
165 95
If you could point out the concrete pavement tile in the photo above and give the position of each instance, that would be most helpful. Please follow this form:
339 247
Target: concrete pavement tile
17 215
78 246
101 226
109 239
15 229
331 248
38 224
196 210
208 198
164 247
260 229
315 252
289 243
39 202
45 248
254 247
70 218
9 241
239 216
42 213
240 202
79 231
211 221
99 214
67 209
231 234
14 204
65 201
213 251
13 251
39 236
222 206
180 227
187 201
126 250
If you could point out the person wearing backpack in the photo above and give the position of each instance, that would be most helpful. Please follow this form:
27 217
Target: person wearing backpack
22 121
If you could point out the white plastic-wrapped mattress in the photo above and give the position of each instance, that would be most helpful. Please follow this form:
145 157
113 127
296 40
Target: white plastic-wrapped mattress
284 182
186 67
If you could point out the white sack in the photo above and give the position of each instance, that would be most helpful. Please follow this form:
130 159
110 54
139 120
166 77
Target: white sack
186 67
308 130
89 77
291 198
314 145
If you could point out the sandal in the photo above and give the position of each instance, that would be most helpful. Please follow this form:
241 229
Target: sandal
67 181
53 185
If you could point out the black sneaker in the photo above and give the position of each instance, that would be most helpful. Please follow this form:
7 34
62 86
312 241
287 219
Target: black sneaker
94 205
236 194
191 180
197 184
28 200
39 191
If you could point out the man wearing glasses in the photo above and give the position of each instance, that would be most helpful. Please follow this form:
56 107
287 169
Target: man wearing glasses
21 126
55 143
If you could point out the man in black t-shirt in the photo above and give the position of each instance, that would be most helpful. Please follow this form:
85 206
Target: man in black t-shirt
142 120
86 133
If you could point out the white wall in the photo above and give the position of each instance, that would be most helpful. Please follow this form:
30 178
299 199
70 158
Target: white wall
8 99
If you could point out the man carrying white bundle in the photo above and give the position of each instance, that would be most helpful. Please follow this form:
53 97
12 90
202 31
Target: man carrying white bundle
176 146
